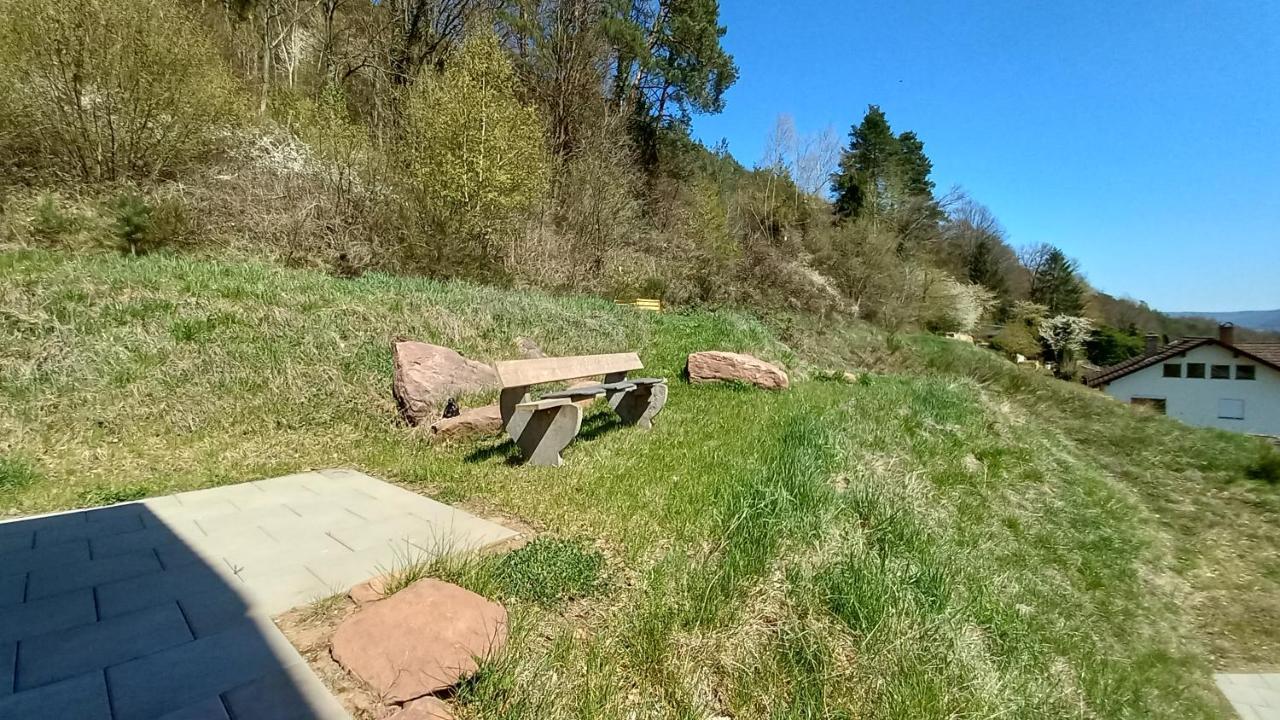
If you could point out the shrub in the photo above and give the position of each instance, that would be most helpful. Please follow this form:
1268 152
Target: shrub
549 571
109 89
1265 467
49 223
140 226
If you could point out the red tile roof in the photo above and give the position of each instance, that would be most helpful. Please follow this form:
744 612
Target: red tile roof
1269 352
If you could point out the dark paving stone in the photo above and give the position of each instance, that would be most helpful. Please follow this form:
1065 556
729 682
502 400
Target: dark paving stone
67 653
192 583
13 589
108 526
172 679
30 525
37 617
14 542
81 698
127 542
211 709
21 561
293 693
8 658
53 581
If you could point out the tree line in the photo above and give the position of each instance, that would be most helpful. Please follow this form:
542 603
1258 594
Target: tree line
529 142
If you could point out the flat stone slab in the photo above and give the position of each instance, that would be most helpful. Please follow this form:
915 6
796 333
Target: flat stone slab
161 608
1255 696
421 640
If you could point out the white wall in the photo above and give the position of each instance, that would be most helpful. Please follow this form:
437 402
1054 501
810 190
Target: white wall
1195 401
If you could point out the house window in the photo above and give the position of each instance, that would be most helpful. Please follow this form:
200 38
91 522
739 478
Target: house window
1195 370
1172 370
1220 372
1230 409
1244 372
1152 404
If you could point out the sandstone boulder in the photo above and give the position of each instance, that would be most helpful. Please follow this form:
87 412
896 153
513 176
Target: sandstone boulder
427 375
420 640
717 366
368 591
473 423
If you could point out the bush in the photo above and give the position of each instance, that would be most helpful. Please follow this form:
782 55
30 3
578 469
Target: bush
549 571
108 89
1265 467
476 158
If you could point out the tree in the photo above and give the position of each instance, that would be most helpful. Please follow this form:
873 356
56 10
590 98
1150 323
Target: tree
475 155
669 61
1065 335
861 183
1055 280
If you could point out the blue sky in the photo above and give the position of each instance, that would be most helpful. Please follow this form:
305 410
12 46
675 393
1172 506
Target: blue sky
1141 136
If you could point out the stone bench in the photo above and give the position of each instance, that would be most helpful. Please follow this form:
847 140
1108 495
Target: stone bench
542 428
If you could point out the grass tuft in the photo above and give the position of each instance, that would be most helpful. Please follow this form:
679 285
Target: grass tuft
550 571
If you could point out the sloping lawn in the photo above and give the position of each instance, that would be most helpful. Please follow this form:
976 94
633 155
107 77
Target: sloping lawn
949 537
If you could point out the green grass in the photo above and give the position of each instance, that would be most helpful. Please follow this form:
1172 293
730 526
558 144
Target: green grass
948 536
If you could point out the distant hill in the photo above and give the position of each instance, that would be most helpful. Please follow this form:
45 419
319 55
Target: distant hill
1256 319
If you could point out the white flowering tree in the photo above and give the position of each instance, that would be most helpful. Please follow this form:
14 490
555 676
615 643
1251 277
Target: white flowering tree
1065 335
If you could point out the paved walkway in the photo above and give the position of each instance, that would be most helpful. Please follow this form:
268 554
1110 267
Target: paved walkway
160 608
1254 696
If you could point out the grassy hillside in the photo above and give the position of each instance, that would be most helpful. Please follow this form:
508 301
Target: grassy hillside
949 537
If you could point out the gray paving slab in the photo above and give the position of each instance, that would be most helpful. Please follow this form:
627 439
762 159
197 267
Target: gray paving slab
211 709
162 607
293 693
83 697
1255 696
44 582
13 589
175 678
21 561
37 617
8 667
83 530
66 653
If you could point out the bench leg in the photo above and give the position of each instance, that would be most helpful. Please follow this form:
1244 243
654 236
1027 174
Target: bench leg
542 434
638 407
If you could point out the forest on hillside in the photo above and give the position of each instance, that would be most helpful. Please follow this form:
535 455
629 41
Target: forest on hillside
541 143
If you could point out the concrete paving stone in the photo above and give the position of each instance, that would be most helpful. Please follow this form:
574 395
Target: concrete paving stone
364 564
191 510
247 519
145 539
69 553
113 513
293 693
298 481
211 614
63 654
13 589
211 709
83 697
193 581
175 678
179 554
110 526
37 617
312 549
277 592
16 541
42 522
53 581
8 667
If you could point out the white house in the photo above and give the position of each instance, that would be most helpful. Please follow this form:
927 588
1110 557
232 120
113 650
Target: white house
1212 382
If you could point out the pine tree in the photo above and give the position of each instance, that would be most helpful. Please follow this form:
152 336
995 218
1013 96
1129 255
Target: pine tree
1056 284
863 183
881 173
